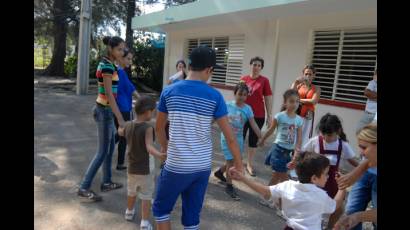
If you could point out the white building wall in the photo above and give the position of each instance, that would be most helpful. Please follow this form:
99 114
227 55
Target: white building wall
294 36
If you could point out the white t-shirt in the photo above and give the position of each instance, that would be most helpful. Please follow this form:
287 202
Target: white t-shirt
303 204
371 106
375 118
313 146
179 75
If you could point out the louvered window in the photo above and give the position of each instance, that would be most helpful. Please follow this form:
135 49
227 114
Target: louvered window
229 54
345 61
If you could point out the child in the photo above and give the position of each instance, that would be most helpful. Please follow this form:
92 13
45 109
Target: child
332 143
288 138
303 202
191 105
238 114
139 136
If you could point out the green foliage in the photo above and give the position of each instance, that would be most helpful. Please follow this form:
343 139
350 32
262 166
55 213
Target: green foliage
148 64
70 66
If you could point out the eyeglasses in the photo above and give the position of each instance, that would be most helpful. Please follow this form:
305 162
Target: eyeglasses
257 65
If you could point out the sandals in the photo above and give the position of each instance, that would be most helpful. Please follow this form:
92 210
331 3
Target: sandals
249 172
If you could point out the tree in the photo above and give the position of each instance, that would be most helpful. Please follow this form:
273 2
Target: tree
56 67
58 19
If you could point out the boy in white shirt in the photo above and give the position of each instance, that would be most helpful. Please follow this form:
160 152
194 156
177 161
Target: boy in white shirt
303 202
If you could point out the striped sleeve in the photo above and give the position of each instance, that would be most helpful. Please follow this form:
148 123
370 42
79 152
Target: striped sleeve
107 69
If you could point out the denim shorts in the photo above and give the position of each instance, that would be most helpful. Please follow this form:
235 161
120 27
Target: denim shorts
278 158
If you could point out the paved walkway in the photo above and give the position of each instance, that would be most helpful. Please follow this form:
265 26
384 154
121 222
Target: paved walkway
65 142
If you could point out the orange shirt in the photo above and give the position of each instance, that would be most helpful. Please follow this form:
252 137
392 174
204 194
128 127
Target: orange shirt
305 93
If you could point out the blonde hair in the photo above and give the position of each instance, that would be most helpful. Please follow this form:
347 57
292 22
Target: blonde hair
368 133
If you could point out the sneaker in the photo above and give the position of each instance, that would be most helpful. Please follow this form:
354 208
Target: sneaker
218 174
129 215
121 167
88 195
231 192
146 227
110 186
266 203
280 213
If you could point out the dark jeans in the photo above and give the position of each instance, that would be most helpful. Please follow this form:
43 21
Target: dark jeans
122 143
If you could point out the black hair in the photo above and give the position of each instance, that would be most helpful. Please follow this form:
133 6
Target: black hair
127 51
183 63
288 93
180 61
112 41
309 66
257 58
329 124
144 103
241 86
309 164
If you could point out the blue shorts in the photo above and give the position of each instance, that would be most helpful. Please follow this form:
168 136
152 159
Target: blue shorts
278 158
192 188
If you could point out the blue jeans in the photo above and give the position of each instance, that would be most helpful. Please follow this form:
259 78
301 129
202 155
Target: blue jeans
364 190
104 118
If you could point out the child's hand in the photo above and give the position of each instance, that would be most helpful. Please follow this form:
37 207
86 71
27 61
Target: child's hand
260 143
121 131
163 157
291 165
235 174
347 222
344 181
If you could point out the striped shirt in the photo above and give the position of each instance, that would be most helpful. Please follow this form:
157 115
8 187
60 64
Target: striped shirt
106 69
191 106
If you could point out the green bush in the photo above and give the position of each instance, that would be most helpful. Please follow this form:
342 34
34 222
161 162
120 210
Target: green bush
70 67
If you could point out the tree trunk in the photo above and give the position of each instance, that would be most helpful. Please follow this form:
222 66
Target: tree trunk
76 36
129 34
56 67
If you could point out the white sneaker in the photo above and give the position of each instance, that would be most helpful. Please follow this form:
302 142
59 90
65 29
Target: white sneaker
146 227
129 215
266 203
280 213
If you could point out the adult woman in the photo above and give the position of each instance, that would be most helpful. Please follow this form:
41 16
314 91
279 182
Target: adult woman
309 96
365 189
103 112
259 98
180 75
124 101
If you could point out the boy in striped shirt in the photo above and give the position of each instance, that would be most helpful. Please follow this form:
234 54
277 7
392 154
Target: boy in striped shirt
190 106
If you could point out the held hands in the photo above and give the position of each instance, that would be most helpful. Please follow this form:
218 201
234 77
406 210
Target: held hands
261 142
162 156
121 131
347 222
236 174
291 165
344 181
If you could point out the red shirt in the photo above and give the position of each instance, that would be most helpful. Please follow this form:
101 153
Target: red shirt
258 88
